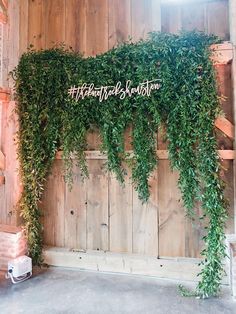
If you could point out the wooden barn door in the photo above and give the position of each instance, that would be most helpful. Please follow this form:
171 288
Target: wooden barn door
98 213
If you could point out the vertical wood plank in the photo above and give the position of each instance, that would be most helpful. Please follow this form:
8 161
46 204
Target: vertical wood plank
36 24
120 214
96 27
12 188
94 139
53 205
141 17
24 24
75 212
193 17
55 22
72 20
171 18
164 19
13 35
119 21
171 213
47 209
97 207
218 19
194 231
156 15
145 222
81 26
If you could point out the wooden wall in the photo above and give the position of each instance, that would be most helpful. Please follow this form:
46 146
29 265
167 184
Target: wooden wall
94 26
99 214
209 16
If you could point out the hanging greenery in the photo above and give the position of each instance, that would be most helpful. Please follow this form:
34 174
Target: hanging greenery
185 101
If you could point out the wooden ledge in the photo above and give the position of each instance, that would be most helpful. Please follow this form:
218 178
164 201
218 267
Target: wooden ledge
222 53
179 268
172 268
161 154
2 161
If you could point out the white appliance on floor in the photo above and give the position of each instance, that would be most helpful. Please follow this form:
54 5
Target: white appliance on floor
19 269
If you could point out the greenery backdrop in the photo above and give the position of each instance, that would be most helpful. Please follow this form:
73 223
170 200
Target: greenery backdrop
187 104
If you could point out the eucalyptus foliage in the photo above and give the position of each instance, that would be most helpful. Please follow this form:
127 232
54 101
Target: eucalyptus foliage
187 104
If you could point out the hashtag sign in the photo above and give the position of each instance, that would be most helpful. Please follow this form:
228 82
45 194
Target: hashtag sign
72 91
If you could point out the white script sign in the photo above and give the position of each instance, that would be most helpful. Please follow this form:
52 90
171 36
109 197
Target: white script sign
104 92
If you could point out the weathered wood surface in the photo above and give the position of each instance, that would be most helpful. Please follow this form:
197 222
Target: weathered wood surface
208 16
179 269
11 189
120 215
93 26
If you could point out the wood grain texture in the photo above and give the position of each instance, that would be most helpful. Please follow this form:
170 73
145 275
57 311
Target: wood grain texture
55 22
76 212
13 36
12 188
178 269
119 22
97 207
194 232
217 18
171 213
210 16
53 207
145 221
24 17
193 17
72 14
156 15
120 215
36 24
96 27
141 18
77 26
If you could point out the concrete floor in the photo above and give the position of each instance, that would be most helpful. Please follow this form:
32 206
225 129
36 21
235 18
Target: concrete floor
59 290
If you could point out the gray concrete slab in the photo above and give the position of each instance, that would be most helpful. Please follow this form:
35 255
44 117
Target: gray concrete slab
60 290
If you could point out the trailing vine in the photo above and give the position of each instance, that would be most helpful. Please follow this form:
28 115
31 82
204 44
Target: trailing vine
186 103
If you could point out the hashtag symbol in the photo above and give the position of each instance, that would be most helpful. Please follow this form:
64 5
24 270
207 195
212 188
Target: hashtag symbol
72 91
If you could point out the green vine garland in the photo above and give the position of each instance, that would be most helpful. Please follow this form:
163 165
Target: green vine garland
187 104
